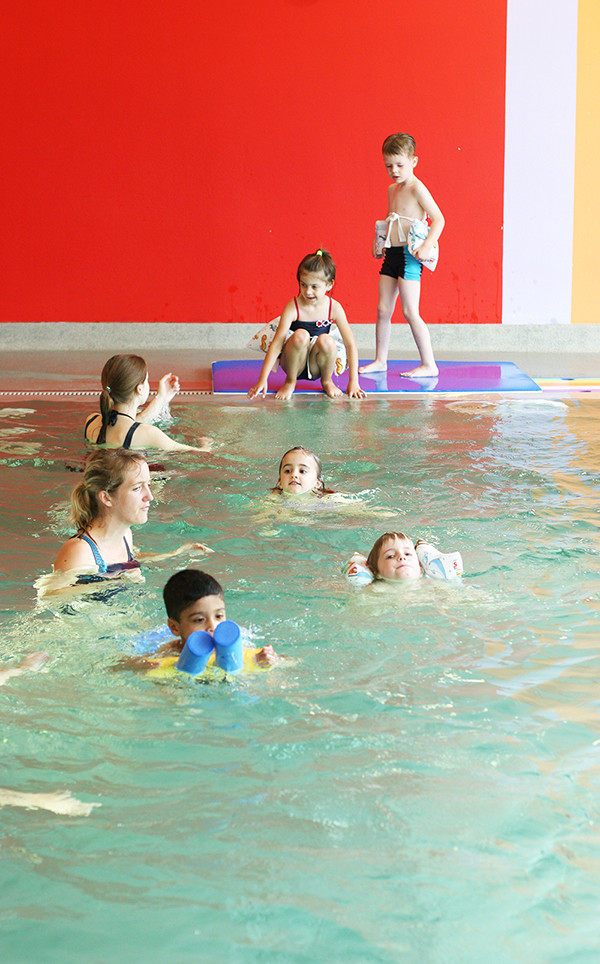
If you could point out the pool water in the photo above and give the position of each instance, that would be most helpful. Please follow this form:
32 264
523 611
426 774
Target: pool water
418 782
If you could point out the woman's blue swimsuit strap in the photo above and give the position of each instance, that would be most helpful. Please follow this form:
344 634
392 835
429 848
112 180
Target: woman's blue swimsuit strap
103 568
96 552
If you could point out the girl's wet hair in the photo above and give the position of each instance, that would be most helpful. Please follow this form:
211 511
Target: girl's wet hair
120 377
320 261
311 455
105 471
186 587
399 144
374 553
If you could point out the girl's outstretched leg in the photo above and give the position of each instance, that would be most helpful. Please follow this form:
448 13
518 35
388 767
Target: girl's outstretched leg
388 292
410 292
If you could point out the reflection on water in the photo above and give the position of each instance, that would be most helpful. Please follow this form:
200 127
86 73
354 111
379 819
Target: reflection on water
426 743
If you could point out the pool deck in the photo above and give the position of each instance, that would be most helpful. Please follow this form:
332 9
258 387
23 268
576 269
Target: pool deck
68 363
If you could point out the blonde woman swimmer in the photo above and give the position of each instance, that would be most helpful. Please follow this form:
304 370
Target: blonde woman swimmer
122 421
302 343
113 496
408 200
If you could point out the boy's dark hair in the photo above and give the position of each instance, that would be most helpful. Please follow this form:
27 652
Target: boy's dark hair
321 261
186 587
399 144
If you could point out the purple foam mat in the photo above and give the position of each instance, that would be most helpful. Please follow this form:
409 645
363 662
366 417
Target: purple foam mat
236 377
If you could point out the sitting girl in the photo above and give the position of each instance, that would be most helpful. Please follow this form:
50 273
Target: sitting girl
394 556
125 388
303 345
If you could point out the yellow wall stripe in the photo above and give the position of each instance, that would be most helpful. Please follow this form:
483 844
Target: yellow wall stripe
585 305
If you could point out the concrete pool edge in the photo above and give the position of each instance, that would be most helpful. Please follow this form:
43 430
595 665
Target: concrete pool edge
141 336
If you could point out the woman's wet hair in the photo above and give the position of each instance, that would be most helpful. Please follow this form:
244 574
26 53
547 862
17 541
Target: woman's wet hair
105 470
120 377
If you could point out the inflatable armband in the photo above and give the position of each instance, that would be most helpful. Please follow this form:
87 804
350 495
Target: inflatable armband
357 572
438 565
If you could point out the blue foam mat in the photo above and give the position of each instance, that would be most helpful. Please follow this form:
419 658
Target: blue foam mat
236 377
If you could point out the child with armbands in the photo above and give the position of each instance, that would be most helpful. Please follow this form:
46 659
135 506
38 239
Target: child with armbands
195 606
394 556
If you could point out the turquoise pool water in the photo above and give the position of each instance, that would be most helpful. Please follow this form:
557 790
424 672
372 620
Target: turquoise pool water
419 782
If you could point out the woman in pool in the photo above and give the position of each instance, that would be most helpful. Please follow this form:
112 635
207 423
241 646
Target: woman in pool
125 389
301 473
113 496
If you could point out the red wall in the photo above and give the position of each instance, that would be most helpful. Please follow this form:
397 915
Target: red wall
169 160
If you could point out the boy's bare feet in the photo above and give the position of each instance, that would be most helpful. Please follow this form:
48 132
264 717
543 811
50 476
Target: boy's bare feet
374 366
422 371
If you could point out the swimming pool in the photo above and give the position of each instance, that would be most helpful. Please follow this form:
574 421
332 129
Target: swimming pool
418 783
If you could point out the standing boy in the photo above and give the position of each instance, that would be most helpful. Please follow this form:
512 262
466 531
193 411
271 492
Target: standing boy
408 200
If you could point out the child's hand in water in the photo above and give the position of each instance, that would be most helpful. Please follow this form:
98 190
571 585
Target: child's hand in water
267 656
168 387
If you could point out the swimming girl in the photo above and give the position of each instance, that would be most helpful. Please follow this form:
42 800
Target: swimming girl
302 343
113 496
125 388
301 473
